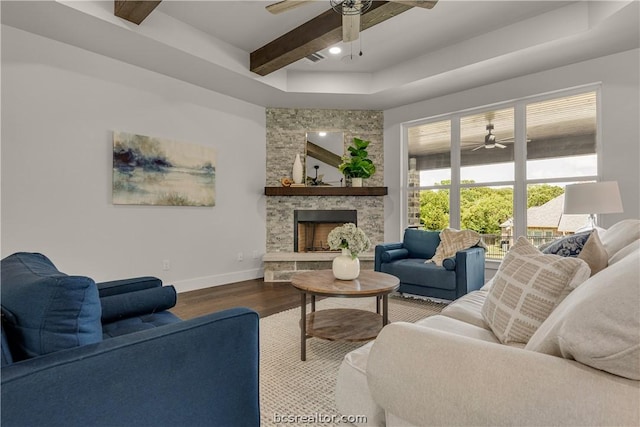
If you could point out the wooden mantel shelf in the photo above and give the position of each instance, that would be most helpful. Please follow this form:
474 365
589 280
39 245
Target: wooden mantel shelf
325 191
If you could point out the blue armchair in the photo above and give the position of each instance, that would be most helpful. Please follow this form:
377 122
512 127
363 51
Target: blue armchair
457 276
79 354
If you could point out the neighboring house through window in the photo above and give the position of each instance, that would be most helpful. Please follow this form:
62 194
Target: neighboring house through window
501 170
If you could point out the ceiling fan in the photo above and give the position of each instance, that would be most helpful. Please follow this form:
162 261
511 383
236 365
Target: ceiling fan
351 10
489 140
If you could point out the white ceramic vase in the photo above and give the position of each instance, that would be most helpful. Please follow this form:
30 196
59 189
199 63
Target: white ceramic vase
297 170
344 267
356 182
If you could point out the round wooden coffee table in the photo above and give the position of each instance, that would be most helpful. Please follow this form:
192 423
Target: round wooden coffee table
344 324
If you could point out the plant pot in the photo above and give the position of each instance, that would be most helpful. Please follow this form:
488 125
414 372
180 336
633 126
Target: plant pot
345 267
356 182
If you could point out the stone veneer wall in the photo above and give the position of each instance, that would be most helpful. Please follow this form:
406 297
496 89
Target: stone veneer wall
414 198
286 137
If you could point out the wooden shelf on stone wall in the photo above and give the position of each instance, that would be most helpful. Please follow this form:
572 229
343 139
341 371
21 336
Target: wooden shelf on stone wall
325 191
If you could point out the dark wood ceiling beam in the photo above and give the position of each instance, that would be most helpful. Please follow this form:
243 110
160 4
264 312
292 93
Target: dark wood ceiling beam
134 11
319 33
324 155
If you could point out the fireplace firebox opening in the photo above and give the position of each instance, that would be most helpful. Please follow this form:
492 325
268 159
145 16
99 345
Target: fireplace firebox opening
311 228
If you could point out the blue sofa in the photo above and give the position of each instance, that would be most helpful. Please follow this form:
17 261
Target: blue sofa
456 277
77 353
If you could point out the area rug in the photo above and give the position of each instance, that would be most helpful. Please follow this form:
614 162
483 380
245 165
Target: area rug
292 388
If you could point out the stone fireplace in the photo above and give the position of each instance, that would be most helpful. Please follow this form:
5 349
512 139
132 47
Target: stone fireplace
286 137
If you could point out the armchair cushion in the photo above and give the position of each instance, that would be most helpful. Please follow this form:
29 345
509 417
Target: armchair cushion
526 288
414 271
46 310
138 323
130 304
394 254
421 243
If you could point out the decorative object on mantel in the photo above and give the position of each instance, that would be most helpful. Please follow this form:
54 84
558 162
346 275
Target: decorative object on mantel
297 170
357 164
352 241
286 182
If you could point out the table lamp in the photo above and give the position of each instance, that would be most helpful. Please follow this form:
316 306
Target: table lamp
592 198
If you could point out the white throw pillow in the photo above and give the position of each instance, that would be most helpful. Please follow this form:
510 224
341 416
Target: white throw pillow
598 324
594 253
620 235
526 288
624 252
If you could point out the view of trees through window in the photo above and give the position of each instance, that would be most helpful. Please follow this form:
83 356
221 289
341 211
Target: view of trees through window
485 210
475 158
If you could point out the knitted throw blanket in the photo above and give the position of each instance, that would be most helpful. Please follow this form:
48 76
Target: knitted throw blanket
452 241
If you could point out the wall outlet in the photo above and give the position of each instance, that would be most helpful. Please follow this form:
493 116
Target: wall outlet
240 256
166 265
256 255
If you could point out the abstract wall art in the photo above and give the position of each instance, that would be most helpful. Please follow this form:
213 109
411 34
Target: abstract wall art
162 172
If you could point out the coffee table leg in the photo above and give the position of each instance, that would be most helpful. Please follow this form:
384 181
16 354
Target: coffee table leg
378 304
385 310
303 326
313 303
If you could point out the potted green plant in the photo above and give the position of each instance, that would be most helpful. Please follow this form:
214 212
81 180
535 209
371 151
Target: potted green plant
357 164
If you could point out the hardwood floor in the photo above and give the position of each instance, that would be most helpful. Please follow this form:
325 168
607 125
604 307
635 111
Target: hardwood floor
265 298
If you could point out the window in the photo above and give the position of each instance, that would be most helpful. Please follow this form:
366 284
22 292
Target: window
501 171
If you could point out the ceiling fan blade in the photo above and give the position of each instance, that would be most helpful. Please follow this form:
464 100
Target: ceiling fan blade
478 147
285 5
427 4
509 140
350 27
500 145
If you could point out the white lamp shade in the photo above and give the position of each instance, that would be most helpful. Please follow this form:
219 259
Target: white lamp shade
592 198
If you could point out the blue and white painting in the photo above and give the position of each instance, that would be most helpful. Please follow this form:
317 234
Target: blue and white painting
162 172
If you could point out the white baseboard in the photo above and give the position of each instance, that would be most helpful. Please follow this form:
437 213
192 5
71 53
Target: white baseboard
217 280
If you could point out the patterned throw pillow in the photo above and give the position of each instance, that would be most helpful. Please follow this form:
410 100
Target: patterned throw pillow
568 245
526 288
452 241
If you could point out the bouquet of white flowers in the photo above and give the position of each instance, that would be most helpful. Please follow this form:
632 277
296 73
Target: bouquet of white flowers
350 237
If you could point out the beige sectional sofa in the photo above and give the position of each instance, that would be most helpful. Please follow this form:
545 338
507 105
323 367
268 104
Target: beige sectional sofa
581 365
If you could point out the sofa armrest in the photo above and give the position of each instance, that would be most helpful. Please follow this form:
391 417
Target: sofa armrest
439 378
469 268
382 248
117 287
202 371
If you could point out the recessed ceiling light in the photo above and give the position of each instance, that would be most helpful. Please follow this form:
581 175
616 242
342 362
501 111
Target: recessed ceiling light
322 133
335 50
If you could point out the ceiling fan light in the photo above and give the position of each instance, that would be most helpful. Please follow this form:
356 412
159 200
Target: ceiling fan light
351 7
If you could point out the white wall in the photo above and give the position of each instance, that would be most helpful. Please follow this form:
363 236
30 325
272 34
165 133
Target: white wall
60 105
620 110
